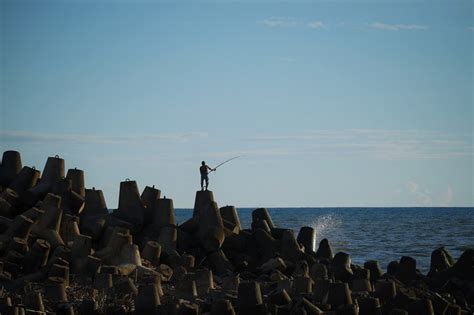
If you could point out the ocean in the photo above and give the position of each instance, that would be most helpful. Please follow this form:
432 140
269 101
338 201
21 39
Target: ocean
383 234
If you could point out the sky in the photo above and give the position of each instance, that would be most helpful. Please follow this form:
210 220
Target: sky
329 104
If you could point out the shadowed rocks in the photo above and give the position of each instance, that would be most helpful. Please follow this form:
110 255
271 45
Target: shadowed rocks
62 251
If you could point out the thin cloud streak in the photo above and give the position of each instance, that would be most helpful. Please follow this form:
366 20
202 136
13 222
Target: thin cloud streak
280 22
291 22
316 25
397 27
28 136
380 144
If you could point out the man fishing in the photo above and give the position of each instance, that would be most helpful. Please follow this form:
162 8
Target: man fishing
204 169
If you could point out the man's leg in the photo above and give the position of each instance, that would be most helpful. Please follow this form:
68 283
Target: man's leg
207 182
202 182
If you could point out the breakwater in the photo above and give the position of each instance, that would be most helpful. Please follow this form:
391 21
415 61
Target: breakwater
61 251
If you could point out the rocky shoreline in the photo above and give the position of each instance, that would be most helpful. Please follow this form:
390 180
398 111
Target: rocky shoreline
62 252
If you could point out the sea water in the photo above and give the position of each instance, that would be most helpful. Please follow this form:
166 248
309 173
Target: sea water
383 234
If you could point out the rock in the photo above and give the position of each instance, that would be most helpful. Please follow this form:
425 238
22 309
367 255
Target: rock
49 223
52 172
342 266
34 301
407 269
302 285
19 228
147 299
319 272
369 306
93 216
307 238
10 167
76 177
55 291
261 214
267 246
249 296
361 285
37 256
321 290
273 264
279 297
339 294
222 307
204 198
290 249
230 219
385 290
80 250
152 252
464 267
130 208
324 250
219 263
375 269
186 289
230 283
163 213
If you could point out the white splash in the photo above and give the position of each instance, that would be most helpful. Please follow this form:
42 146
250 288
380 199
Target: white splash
325 226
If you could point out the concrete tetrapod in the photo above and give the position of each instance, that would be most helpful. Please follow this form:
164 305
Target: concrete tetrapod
80 250
112 251
48 225
130 207
152 252
94 214
10 167
324 250
339 294
261 214
341 266
211 228
230 219
148 198
52 172
76 177
307 238
37 256
203 199
26 179
375 269
69 228
249 297
20 227
222 307
71 201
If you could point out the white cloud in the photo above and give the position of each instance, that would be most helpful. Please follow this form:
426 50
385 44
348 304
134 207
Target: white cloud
424 197
397 27
421 195
280 22
375 143
291 22
316 24
28 136
447 197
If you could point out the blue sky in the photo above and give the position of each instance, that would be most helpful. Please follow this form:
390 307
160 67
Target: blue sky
344 103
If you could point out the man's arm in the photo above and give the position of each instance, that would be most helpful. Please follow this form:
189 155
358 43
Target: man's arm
211 169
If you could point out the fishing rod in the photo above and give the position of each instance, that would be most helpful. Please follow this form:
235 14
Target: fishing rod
235 157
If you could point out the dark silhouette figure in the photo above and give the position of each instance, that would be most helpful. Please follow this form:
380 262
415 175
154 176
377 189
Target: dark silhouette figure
204 169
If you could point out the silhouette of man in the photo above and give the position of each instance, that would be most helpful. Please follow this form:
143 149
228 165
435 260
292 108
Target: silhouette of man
204 169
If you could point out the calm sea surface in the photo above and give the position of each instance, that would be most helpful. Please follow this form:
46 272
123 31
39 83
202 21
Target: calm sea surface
384 234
